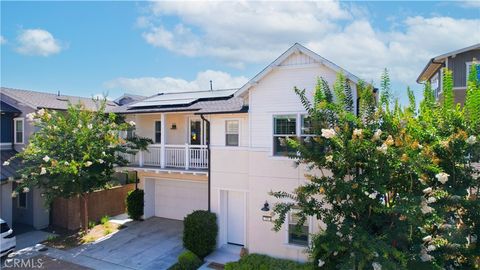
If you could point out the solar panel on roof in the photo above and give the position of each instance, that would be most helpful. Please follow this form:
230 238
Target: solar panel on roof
181 98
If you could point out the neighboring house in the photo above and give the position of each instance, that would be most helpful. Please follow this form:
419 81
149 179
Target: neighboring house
459 62
26 208
128 98
242 129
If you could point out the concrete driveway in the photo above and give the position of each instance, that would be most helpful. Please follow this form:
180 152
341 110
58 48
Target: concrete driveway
151 244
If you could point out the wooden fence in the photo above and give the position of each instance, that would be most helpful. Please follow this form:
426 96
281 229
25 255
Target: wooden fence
68 213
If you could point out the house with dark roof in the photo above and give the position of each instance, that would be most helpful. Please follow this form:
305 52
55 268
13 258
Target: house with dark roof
459 62
26 208
221 150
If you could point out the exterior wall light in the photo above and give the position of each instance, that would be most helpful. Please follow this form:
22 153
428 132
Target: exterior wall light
266 207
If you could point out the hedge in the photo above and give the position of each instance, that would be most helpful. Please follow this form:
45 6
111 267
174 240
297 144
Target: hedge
200 232
189 261
263 262
134 203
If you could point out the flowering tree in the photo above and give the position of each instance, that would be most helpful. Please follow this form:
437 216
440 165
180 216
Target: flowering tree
396 188
74 152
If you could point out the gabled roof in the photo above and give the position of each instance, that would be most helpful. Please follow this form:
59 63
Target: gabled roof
132 97
436 62
38 100
7 108
296 48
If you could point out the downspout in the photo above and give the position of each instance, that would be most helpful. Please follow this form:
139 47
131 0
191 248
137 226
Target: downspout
208 158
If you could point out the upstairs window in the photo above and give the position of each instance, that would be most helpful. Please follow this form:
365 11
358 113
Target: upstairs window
469 67
232 132
19 130
158 131
293 126
284 126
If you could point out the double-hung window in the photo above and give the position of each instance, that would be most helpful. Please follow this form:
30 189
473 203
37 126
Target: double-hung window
158 131
298 234
284 126
293 126
232 132
469 67
19 130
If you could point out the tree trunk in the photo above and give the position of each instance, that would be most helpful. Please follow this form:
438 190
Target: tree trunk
85 211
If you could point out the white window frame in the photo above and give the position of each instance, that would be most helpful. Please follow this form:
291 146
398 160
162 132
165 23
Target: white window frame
203 138
26 200
15 138
155 131
309 223
467 70
298 129
239 131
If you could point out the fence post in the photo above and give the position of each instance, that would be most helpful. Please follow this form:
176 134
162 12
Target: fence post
140 158
187 157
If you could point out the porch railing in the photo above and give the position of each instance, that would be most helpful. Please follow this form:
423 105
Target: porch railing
171 156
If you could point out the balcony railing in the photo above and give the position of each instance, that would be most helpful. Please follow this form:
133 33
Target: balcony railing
171 156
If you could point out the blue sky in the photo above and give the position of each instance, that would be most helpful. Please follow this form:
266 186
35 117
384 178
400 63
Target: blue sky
88 48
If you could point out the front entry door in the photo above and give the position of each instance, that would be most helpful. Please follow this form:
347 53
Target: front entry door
195 132
235 218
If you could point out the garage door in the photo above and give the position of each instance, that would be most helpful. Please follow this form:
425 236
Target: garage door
175 199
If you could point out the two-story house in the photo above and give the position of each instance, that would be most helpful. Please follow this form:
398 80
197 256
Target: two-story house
221 150
460 62
26 208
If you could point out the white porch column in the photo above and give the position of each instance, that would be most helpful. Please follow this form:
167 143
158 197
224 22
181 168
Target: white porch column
162 141
187 157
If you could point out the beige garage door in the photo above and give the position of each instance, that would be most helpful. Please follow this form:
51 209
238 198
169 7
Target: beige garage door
175 199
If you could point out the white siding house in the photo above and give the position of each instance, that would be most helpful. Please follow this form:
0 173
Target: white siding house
244 166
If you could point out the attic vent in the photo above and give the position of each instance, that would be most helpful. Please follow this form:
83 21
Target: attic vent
62 99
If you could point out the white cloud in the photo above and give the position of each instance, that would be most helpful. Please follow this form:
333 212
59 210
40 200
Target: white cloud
2 40
240 33
37 42
470 4
153 85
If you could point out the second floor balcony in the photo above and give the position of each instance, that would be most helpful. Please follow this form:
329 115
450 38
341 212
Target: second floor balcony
183 157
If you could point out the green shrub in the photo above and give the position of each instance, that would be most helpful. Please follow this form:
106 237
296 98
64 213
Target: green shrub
91 224
263 262
200 232
188 261
135 204
104 219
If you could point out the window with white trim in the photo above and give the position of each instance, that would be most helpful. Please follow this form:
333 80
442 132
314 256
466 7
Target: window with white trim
297 234
290 126
232 130
469 66
19 130
284 126
158 131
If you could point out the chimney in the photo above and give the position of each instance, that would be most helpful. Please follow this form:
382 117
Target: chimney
211 85
58 93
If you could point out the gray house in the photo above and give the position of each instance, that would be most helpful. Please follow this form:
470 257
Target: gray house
460 62
27 209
